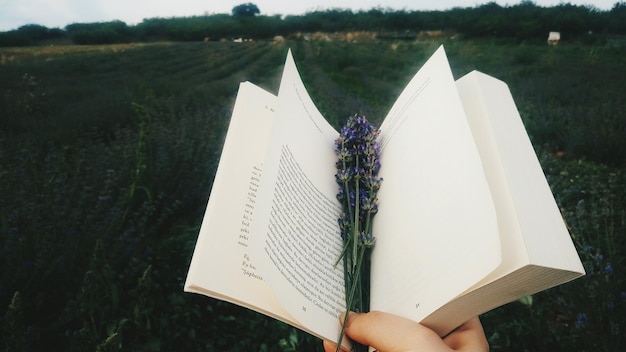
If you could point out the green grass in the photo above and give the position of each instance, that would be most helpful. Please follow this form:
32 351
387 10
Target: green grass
107 156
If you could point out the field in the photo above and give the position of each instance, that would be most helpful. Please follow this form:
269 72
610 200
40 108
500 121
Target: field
107 155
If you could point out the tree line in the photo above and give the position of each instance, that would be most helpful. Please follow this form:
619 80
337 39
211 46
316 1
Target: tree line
523 22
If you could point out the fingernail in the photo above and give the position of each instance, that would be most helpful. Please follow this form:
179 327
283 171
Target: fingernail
350 315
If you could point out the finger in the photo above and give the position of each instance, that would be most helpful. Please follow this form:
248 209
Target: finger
329 346
468 337
390 333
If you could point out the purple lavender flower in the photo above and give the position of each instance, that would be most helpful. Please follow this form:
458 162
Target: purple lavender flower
357 165
581 320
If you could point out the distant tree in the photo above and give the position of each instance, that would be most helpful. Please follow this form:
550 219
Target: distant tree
246 10
619 7
99 32
527 3
34 31
29 34
617 18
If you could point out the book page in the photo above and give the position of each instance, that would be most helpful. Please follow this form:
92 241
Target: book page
494 117
300 211
535 256
531 226
221 266
436 229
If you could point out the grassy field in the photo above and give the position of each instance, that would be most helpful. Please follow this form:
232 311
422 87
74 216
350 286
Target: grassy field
107 155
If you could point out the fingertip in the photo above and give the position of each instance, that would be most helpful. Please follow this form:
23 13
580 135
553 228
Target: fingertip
342 316
351 316
329 346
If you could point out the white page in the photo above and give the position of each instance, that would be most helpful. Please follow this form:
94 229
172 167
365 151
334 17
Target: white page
502 142
531 224
436 229
302 241
220 266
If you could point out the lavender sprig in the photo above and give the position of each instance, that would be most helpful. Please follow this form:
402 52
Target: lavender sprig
357 164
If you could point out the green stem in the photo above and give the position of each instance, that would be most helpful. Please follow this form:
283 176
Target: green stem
355 238
351 293
367 222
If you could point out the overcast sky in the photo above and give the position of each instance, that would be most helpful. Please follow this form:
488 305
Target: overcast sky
59 13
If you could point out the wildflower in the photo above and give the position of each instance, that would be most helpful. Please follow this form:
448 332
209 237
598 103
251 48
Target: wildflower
343 176
344 223
581 320
366 240
369 206
608 269
357 165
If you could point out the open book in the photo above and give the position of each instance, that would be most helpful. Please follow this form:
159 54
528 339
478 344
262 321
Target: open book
466 220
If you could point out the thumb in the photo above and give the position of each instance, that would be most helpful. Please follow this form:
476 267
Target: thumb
391 333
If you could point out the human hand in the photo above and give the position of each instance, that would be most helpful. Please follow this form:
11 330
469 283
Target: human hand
390 333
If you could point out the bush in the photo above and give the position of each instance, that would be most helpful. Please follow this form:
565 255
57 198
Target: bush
99 33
